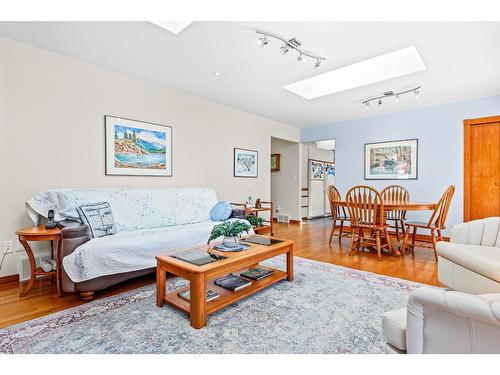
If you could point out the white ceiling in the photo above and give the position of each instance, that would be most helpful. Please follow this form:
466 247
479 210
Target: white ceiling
462 61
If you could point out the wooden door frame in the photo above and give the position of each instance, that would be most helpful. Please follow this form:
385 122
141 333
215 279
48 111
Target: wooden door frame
467 125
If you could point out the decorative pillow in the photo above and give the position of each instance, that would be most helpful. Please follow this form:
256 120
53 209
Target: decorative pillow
221 211
98 217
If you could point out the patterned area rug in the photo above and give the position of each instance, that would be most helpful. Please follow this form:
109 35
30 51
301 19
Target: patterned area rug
327 309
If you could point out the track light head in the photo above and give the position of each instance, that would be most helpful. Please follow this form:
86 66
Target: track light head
301 58
317 64
380 102
416 93
285 49
263 41
397 98
367 105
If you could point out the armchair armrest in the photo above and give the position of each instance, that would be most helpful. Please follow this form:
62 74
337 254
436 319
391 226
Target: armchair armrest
445 321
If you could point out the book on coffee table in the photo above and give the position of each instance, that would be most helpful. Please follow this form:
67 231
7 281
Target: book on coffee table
232 282
211 295
261 240
258 273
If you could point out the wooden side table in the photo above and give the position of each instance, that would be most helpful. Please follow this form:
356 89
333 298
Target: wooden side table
268 207
39 233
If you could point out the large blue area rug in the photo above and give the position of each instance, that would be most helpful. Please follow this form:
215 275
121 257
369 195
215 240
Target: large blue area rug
327 309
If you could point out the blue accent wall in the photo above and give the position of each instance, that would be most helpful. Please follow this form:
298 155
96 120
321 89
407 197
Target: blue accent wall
439 130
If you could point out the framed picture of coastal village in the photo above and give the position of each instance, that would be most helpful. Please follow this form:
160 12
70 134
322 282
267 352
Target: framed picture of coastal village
137 148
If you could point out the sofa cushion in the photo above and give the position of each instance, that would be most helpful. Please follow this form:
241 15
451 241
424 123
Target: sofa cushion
221 211
98 217
394 328
484 260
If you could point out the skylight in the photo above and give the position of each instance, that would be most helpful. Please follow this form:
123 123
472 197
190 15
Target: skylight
173 26
391 65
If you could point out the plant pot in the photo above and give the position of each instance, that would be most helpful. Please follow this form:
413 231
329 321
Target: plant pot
230 241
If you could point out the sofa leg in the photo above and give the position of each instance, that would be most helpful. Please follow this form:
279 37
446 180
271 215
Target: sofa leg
87 296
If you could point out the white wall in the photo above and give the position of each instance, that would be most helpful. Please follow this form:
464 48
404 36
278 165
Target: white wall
52 133
285 184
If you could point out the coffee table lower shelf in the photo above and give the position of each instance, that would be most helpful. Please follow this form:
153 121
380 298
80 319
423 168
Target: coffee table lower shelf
226 296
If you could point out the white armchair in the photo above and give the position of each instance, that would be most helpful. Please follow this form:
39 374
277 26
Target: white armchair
470 262
444 321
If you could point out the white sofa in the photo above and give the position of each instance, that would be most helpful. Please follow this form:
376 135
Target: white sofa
470 262
443 321
148 221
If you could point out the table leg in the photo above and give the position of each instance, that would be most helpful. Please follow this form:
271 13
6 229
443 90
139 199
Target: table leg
289 263
23 291
58 268
161 281
198 311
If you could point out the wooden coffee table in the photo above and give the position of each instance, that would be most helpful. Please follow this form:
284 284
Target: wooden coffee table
201 278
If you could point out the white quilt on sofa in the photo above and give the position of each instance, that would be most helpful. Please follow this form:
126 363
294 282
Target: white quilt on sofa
132 250
149 222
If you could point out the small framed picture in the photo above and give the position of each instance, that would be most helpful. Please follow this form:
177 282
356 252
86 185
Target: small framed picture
394 160
245 163
275 162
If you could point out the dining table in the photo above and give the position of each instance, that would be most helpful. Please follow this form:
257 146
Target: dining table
400 206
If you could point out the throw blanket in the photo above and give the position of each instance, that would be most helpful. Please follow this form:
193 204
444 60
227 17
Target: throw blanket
133 208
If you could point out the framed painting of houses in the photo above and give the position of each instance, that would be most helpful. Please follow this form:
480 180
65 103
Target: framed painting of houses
394 160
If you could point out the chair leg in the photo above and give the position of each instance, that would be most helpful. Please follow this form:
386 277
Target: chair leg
351 243
388 239
440 235
413 239
332 231
433 235
405 241
379 248
341 229
396 223
403 224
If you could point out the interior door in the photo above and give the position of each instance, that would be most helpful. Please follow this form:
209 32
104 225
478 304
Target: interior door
481 168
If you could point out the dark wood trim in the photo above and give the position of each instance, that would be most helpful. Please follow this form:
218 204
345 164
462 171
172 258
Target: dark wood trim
467 124
9 279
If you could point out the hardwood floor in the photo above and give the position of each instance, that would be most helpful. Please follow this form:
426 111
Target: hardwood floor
311 241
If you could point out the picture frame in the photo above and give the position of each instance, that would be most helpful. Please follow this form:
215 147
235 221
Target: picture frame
137 148
391 160
330 168
245 163
275 162
316 169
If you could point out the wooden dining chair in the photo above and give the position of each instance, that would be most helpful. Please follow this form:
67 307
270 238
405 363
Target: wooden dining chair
435 224
338 212
398 194
366 211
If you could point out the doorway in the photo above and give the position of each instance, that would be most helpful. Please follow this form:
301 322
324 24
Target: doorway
318 171
481 168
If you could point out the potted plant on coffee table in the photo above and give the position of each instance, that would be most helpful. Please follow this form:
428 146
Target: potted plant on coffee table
230 230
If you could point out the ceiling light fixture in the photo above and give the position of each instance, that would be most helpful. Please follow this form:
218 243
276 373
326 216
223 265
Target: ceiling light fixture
290 44
388 94
285 49
263 41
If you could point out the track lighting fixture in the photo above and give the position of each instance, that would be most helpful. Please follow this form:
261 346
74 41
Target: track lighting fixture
301 58
388 94
263 41
290 44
